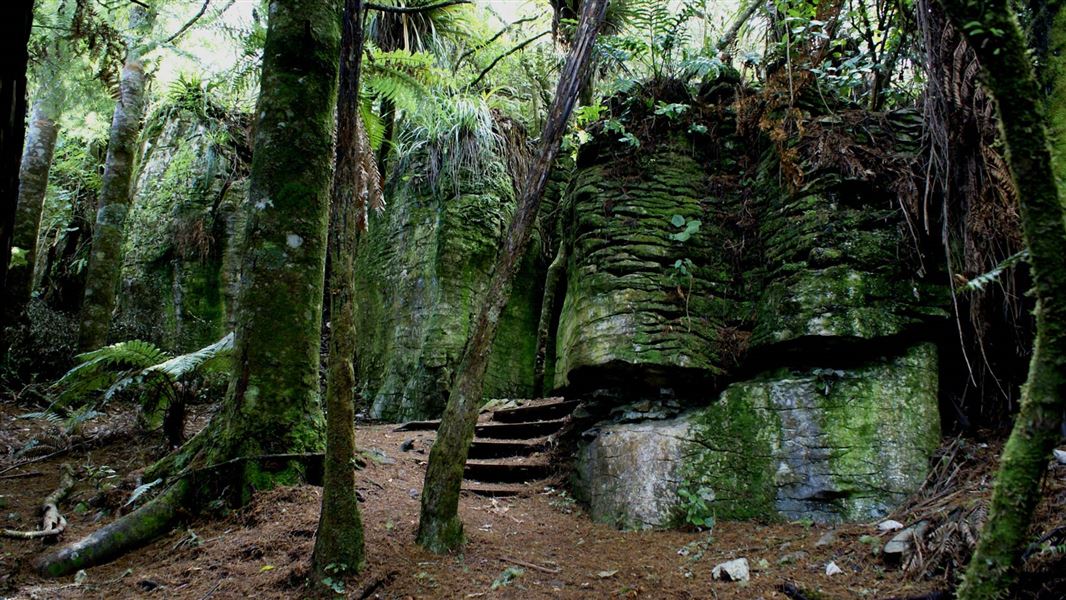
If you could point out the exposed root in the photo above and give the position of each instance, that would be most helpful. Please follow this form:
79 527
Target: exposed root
159 515
52 521
127 533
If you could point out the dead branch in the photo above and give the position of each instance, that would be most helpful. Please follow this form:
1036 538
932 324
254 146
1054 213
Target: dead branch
52 521
530 565
497 60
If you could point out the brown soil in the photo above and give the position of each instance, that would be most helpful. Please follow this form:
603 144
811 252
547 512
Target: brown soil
262 550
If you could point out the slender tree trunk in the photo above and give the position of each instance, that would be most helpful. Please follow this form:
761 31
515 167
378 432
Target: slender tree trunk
992 30
19 16
105 257
439 527
339 541
552 281
33 184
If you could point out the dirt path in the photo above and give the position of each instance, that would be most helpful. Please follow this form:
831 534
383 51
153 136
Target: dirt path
538 545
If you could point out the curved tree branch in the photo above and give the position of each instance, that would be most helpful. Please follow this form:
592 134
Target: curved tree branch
189 23
414 10
497 60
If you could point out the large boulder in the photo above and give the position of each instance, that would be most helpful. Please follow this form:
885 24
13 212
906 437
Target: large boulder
820 444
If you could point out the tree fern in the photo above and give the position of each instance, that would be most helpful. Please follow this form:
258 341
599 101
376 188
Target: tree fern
134 365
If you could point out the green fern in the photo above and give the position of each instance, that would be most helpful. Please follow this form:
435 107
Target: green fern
136 366
979 283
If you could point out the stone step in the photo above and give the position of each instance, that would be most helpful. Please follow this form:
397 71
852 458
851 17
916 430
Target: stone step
505 472
419 426
506 448
536 412
495 490
518 431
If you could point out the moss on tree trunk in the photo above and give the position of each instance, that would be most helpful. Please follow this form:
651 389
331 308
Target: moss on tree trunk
992 30
439 527
273 404
272 408
339 541
105 255
33 183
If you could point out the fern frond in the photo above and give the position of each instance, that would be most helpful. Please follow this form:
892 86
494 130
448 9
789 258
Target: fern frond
202 359
979 283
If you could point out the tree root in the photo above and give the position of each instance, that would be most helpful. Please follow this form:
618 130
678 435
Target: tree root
52 521
127 533
160 514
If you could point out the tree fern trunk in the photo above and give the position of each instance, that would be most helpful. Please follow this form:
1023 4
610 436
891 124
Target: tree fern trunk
439 527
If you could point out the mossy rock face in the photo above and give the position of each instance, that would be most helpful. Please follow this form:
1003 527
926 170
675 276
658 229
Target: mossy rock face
642 306
838 259
822 444
422 269
173 292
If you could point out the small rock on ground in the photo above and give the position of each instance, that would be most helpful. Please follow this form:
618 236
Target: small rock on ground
734 570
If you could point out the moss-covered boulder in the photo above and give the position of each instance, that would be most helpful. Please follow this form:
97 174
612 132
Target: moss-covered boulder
646 292
822 444
422 268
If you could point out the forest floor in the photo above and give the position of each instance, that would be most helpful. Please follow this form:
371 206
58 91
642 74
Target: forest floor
537 545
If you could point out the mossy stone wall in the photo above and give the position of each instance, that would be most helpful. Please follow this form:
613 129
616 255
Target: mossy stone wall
422 267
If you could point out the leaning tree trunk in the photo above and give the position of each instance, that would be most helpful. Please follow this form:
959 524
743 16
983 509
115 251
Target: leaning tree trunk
992 30
272 408
339 541
19 15
105 256
33 183
439 527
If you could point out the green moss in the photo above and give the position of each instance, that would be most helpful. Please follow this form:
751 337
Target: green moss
422 269
827 444
732 457
626 302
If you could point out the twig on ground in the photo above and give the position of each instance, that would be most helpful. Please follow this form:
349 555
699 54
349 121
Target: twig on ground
530 565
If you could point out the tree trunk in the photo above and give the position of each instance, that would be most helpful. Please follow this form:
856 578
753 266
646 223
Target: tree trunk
33 184
552 281
339 541
992 30
439 527
273 406
105 257
19 15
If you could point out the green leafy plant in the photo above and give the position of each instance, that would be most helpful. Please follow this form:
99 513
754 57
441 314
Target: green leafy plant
507 577
688 228
160 383
695 508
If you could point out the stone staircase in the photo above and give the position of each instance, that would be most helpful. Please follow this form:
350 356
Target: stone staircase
511 445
